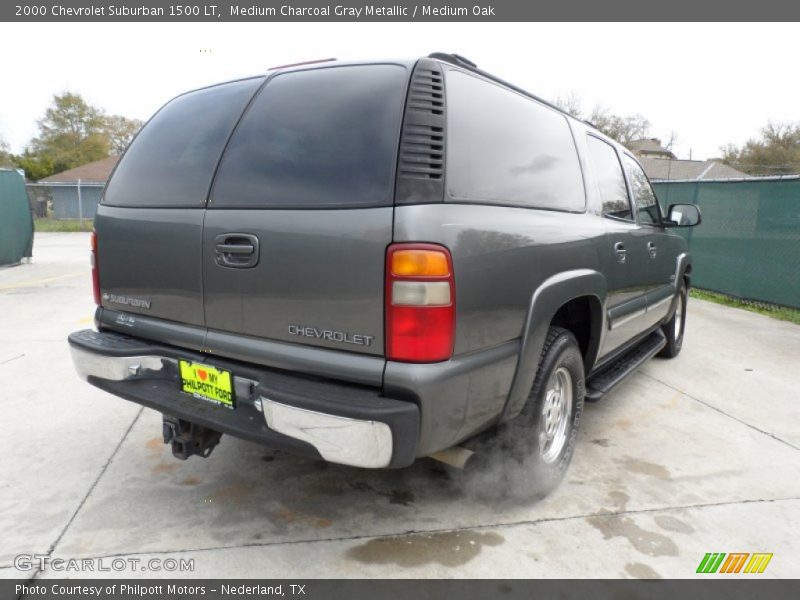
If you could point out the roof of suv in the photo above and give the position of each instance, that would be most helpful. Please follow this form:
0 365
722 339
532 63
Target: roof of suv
443 57
452 59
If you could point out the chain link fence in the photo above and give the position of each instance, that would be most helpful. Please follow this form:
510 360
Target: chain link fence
748 245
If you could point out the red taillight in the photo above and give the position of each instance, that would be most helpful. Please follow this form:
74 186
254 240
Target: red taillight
420 303
95 276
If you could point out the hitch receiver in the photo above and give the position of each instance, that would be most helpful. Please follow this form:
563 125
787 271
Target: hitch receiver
189 438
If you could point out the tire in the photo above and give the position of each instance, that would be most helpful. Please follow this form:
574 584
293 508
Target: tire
535 449
675 328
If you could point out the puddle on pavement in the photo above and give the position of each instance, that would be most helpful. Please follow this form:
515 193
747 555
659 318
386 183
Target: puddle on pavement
646 542
645 468
641 571
671 523
449 548
619 500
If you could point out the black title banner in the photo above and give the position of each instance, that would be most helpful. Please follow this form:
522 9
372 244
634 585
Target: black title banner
408 589
398 10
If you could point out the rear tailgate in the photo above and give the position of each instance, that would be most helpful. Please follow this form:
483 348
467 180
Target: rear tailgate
149 225
300 214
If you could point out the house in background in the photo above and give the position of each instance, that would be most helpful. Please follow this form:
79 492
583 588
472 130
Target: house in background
75 193
661 164
650 148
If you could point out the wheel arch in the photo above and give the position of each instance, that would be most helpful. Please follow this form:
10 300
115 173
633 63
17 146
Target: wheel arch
683 270
556 297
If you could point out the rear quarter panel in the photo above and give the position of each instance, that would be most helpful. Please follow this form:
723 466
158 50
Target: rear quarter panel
501 255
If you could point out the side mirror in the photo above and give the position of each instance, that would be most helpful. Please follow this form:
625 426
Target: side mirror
683 215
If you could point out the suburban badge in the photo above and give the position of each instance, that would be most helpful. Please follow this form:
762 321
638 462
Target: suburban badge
126 300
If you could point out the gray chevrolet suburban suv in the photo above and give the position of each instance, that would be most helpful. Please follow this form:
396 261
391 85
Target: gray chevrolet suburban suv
373 262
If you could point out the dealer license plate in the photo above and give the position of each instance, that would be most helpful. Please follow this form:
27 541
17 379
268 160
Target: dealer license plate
207 383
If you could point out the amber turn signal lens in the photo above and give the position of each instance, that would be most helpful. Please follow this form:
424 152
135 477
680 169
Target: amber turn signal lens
420 263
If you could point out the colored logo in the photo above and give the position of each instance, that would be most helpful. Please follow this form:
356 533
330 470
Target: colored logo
734 562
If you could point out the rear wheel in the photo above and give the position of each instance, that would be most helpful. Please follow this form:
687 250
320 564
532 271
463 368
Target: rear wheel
541 440
674 328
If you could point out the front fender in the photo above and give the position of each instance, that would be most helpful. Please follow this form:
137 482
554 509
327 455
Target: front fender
545 302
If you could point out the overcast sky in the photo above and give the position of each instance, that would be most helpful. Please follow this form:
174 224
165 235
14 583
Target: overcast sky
711 83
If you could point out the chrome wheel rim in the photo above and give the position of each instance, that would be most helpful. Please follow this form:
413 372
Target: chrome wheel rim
556 409
678 318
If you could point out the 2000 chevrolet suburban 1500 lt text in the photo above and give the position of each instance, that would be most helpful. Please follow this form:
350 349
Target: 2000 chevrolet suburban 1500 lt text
373 262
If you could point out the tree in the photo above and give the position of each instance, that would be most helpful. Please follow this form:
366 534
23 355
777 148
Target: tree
775 152
570 104
120 131
6 158
624 129
35 167
72 132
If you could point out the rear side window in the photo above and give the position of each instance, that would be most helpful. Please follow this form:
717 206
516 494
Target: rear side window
505 148
318 138
172 160
610 179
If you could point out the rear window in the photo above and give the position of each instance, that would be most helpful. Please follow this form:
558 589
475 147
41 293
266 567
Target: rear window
506 148
172 160
316 139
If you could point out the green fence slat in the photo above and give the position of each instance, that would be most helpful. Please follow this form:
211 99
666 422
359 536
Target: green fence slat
16 224
748 245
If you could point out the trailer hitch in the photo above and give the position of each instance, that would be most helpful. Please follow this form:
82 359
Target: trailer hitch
189 438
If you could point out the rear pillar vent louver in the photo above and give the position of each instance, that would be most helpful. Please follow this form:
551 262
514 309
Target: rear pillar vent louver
427 91
420 173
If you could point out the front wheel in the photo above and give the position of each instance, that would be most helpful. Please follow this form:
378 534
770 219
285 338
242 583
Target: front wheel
674 328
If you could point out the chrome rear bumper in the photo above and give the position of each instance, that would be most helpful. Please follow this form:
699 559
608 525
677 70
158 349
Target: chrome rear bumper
116 368
361 434
338 439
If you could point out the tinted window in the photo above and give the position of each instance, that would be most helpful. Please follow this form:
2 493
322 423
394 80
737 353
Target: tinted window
643 195
324 137
503 147
172 160
610 179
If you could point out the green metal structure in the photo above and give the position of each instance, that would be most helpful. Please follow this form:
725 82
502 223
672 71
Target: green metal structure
748 245
16 224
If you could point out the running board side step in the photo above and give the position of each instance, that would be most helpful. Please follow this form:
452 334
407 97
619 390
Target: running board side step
603 381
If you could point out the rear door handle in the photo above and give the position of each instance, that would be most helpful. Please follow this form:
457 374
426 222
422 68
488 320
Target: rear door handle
619 250
236 250
651 249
